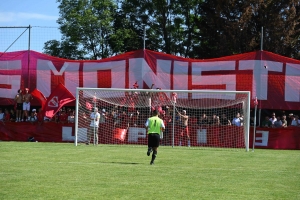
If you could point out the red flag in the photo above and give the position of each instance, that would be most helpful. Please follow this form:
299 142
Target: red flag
39 95
58 98
88 105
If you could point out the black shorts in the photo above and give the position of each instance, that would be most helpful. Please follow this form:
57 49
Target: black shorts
153 140
19 106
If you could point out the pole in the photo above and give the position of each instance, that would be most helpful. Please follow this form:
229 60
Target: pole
94 99
144 37
173 125
76 118
261 49
28 75
254 128
262 38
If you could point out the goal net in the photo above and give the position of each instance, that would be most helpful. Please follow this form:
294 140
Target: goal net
193 118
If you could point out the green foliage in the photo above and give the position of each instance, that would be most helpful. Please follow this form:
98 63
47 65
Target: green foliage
187 28
63 171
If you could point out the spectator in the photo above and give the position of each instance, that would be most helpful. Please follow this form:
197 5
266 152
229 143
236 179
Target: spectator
19 102
1 115
290 119
32 118
238 120
284 121
204 120
124 120
273 118
12 115
134 119
266 123
215 120
27 97
184 118
56 117
295 121
224 120
71 117
40 117
6 115
277 123
167 119
94 127
102 116
63 117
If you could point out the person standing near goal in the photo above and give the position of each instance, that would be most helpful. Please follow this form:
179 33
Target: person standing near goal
94 126
184 118
154 126
26 104
19 101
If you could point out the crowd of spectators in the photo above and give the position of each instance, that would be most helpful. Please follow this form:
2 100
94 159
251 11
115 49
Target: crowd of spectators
36 116
124 118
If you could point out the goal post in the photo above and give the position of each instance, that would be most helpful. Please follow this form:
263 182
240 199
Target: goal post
193 118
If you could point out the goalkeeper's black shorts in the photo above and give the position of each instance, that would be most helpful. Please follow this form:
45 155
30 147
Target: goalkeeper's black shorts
153 140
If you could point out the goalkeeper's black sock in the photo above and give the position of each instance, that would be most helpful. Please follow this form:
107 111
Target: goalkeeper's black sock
154 155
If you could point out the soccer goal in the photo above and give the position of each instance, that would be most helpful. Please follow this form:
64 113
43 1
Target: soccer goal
193 118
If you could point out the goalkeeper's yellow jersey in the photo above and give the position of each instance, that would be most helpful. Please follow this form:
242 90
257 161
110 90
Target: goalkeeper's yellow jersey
155 124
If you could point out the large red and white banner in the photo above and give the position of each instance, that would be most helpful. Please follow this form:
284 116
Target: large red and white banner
273 79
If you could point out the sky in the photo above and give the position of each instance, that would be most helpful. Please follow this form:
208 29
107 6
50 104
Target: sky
40 14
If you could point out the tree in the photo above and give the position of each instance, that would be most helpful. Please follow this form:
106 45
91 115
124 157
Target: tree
89 24
233 26
187 28
64 49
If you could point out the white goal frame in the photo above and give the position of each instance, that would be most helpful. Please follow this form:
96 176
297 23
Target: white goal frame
246 105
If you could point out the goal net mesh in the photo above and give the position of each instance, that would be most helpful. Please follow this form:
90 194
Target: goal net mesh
193 118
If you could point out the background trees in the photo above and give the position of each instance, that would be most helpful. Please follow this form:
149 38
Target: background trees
96 29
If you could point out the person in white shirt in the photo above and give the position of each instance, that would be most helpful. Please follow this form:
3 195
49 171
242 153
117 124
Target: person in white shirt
32 118
273 119
94 126
238 120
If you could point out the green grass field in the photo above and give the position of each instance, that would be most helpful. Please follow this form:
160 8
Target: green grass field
63 171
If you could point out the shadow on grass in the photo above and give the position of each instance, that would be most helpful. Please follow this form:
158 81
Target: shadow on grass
123 163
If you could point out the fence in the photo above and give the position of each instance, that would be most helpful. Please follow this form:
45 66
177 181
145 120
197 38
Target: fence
20 38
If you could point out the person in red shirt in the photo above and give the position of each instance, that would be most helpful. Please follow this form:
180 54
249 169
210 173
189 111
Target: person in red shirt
134 119
40 117
124 120
6 116
63 117
166 119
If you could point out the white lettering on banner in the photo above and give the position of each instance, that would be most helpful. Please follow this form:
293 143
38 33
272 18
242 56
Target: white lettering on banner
228 80
43 76
263 139
90 79
67 134
135 133
260 75
13 80
140 71
201 136
292 83
180 77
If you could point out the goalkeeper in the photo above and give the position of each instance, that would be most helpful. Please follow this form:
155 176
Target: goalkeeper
154 126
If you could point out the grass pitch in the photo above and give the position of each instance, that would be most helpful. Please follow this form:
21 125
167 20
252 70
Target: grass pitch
63 171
